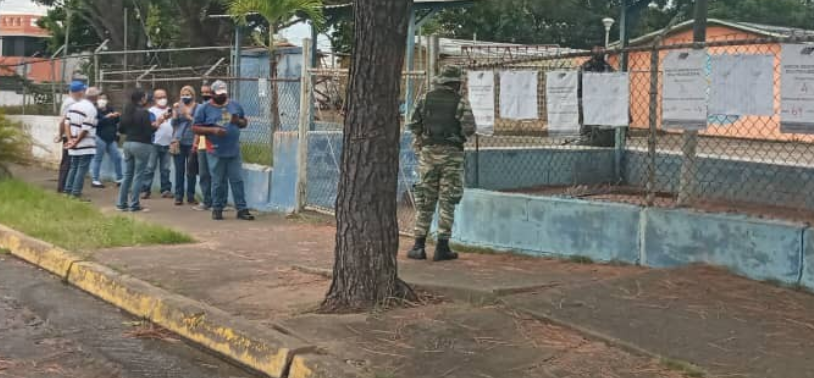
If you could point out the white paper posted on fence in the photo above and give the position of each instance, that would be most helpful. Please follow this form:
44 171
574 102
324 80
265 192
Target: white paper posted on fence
481 90
742 85
684 99
518 95
797 89
562 102
606 98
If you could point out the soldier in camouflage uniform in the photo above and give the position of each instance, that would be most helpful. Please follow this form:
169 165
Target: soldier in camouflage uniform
441 123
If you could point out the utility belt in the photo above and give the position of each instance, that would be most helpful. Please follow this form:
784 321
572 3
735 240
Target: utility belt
453 141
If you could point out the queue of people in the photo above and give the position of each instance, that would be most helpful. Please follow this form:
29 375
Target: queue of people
201 140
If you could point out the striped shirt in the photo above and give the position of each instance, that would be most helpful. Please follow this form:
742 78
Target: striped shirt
82 116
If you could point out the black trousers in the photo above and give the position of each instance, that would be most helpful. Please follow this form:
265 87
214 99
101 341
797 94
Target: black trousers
64 167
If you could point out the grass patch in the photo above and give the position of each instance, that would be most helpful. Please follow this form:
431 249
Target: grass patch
256 153
577 259
476 250
686 368
74 225
4 251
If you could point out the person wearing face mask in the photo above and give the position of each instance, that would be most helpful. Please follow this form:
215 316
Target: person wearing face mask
202 161
221 120
182 139
106 141
162 138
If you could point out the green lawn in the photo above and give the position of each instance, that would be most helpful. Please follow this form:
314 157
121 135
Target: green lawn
256 153
74 225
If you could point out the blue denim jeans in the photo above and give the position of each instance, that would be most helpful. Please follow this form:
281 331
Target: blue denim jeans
205 177
111 149
181 176
159 158
75 182
136 159
223 169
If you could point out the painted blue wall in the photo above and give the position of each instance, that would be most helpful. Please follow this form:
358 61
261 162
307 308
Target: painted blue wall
519 168
284 177
548 226
729 180
807 276
759 249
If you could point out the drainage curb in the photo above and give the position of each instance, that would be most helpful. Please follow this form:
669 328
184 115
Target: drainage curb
264 350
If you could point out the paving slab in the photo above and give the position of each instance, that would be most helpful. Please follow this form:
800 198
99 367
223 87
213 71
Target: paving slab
728 325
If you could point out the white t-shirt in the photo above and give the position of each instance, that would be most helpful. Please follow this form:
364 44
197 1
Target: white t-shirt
82 116
63 111
162 136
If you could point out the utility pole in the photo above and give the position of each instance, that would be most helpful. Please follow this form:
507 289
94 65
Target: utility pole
124 62
686 189
67 40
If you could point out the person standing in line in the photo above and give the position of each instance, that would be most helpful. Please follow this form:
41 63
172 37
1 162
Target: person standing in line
107 142
160 159
221 120
205 177
441 124
137 127
182 140
76 93
81 141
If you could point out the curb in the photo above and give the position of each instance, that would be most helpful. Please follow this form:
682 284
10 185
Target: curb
264 350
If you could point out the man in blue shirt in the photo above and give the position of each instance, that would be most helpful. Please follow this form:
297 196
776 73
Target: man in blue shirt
221 120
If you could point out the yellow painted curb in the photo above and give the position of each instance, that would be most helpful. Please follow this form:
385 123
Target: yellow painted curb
261 349
41 254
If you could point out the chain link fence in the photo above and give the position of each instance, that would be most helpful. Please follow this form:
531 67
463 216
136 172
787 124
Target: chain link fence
743 163
329 88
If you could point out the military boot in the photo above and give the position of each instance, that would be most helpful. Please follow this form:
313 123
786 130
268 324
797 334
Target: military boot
442 251
418 252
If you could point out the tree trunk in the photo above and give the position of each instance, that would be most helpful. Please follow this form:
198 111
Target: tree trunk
365 270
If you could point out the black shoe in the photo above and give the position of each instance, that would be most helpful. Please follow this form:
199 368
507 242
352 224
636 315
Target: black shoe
442 251
217 215
245 215
418 252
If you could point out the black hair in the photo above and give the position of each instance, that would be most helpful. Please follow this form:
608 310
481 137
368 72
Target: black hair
136 97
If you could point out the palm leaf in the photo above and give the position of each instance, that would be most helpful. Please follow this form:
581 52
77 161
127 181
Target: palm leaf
277 12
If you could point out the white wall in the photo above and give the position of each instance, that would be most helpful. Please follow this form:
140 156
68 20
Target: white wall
11 98
42 129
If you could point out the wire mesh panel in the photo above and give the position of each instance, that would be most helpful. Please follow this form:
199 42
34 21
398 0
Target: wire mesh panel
741 160
326 136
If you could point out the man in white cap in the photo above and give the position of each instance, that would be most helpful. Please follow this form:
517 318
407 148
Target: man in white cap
221 120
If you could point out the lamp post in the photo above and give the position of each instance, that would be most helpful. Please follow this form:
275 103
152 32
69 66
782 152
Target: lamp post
608 22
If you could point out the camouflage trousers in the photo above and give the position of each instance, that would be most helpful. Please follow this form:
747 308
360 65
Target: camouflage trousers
440 182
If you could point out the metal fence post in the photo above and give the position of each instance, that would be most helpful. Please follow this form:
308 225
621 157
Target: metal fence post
25 85
304 126
653 126
689 146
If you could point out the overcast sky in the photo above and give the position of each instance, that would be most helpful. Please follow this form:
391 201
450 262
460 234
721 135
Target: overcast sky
21 6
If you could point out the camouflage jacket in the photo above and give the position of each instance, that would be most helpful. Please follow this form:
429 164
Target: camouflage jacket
464 115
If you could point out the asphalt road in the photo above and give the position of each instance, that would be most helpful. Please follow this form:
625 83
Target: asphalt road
51 330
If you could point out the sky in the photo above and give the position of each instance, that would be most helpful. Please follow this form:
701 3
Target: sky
21 6
294 34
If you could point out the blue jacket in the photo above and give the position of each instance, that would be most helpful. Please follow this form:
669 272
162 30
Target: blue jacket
182 129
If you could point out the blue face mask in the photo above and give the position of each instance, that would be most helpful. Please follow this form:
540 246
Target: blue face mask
186 100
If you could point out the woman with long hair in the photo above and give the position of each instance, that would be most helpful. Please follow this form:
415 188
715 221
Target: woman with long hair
138 129
182 140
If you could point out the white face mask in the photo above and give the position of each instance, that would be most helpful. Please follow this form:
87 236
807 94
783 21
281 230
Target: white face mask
162 102
102 103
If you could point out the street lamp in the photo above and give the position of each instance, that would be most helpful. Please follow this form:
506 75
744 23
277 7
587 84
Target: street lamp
608 22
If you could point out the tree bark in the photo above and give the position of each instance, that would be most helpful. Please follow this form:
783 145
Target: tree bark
365 270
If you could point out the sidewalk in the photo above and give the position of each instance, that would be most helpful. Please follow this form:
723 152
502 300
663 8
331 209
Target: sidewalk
483 317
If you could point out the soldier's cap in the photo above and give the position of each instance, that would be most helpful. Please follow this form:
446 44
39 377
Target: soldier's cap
449 74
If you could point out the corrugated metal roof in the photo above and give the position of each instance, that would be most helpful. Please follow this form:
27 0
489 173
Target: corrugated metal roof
769 31
420 2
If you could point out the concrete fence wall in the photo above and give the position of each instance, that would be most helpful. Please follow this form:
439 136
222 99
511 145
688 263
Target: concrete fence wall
660 238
